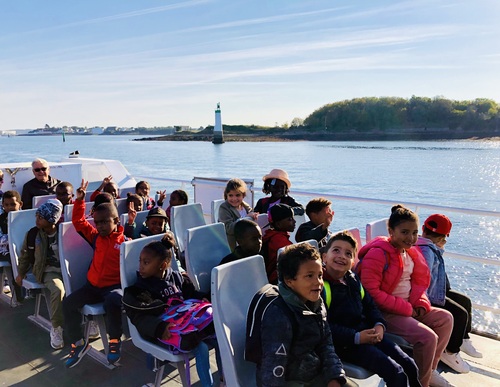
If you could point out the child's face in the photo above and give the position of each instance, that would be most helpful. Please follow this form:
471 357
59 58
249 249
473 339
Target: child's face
175 200
105 223
323 216
287 224
251 241
339 257
112 189
137 205
308 283
11 204
278 189
235 198
64 194
404 235
43 224
150 265
143 190
155 224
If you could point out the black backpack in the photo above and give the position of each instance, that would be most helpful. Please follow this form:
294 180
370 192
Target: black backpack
266 295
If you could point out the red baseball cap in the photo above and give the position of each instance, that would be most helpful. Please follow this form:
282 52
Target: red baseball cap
439 223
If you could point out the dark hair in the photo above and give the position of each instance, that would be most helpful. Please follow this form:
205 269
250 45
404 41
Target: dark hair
292 257
65 184
316 205
107 207
141 183
102 198
235 185
132 196
110 184
182 194
1 173
11 195
400 214
267 186
159 250
242 226
426 230
341 236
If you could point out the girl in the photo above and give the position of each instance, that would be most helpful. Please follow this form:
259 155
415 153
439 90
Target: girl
277 184
156 283
136 201
234 208
395 274
142 189
178 197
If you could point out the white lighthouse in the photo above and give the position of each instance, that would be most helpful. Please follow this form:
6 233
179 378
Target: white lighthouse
218 138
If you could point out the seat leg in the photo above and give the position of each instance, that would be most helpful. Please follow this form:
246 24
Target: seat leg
159 375
184 372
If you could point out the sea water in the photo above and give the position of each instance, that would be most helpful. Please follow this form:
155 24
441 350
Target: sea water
447 173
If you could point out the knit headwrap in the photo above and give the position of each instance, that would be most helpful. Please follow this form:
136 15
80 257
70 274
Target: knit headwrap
51 210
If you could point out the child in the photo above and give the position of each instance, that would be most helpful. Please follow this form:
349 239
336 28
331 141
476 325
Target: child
177 198
436 229
296 343
277 184
156 223
1 183
145 301
11 202
278 236
103 278
136 201
106 186
395 274
356 323
234 208
64 193
42 257
142 189
249 239
321 215
103 197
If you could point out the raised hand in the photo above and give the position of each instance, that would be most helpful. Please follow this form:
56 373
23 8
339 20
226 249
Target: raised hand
132 213
81 191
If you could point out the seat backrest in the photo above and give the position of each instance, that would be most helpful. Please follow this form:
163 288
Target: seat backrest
263 222
376 228
184 217
139 219
37 201
19 223
122 206
68 210
299 219
75 254
215 209
312 242
233 286
205 247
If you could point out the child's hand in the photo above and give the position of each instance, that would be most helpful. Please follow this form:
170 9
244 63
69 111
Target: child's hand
162 197
379 329
333 383
418 312
369 336
80 192
166 333
19 280
253 215
107 180
132 213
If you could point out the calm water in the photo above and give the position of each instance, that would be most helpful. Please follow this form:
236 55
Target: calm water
449 173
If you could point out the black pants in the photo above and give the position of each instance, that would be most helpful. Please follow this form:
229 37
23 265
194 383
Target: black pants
460 306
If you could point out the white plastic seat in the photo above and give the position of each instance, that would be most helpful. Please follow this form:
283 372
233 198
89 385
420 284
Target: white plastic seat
19 223
376 228
184 217
129 264
75 254
121 204
215 209
262 221
312 242
37 201
68 210
205 247
233 287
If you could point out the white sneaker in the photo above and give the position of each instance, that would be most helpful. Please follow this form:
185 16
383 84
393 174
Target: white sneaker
56 338
93 330
439 381
6 289
455 362
469 349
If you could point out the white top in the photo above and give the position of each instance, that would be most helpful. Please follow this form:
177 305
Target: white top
403 288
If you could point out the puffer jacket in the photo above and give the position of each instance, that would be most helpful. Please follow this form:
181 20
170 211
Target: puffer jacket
380 269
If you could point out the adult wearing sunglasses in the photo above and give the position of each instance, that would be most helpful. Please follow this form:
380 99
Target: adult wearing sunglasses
41 184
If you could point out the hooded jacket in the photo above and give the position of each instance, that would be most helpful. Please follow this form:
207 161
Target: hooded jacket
272 241
380 269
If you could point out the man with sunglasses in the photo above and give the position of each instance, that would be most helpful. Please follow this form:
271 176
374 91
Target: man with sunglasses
41 184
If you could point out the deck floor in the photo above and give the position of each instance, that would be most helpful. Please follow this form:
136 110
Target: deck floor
26 359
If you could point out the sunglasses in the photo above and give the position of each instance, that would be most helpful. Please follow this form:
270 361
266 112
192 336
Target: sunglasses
43 169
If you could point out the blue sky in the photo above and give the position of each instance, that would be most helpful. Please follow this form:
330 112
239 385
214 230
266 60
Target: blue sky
160 63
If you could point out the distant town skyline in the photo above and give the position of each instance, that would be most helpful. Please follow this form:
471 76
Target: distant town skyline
149 63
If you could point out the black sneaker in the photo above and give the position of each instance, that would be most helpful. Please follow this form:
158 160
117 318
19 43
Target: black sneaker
76 354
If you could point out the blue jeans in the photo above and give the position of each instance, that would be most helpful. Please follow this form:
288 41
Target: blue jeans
201 354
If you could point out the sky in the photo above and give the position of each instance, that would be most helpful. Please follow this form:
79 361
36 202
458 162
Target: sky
162 63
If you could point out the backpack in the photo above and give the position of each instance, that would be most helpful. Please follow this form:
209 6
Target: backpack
266 295
191 322
357 269
327 292
30 244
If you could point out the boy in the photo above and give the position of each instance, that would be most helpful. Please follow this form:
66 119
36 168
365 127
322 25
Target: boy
11 202
64 193
296 340
249 239
321 215
436 229
103 278
156 223
42 257
281 219
356 323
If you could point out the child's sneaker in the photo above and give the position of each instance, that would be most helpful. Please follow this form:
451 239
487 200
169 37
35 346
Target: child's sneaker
77 353
56 338
455 362
469 349
114 352
6 289
93 330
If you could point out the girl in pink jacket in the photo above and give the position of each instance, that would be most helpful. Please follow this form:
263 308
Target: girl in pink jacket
396 276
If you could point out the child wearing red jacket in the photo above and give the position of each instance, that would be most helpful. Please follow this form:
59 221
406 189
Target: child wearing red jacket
103 278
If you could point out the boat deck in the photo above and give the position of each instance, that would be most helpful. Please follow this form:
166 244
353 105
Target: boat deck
26 359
